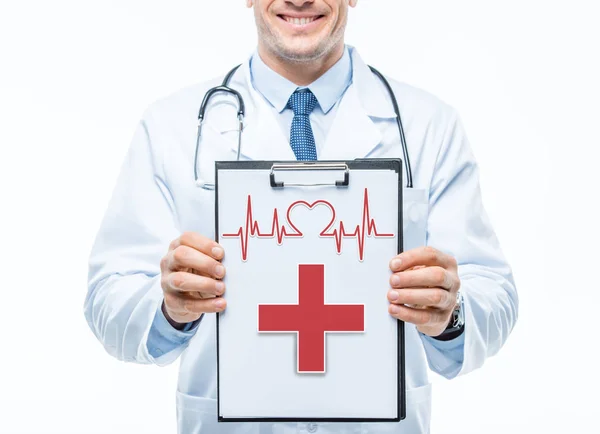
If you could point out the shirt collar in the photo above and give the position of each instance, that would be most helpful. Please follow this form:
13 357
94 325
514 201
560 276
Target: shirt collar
328 89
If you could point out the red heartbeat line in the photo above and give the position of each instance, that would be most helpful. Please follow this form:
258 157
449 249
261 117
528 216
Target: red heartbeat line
367 227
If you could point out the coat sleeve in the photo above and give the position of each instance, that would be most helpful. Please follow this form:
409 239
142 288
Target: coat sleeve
122 306
458 225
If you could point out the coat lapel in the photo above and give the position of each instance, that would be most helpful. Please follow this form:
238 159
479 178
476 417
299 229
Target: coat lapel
263 138
354 134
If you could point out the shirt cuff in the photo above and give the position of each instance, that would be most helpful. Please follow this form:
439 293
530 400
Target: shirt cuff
164 338
445 357
452 346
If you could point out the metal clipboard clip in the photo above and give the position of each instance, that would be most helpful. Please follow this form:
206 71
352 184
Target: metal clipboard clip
342 167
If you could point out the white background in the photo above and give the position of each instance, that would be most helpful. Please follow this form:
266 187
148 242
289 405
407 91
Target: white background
75 78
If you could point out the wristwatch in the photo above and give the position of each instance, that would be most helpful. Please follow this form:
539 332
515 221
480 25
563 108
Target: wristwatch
456 326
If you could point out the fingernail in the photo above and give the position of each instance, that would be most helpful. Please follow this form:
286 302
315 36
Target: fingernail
396 263
395 280
217 252
220 287
393 295
394 310
220 303
219 270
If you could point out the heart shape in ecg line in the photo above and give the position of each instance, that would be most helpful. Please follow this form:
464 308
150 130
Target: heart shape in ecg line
310 206
366 228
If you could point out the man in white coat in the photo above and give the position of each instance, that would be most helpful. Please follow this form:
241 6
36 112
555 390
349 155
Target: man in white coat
155 271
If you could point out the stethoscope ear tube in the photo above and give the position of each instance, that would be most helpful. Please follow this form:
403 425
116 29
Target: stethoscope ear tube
226 89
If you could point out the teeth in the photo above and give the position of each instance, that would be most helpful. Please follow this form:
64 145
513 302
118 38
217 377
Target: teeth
300 21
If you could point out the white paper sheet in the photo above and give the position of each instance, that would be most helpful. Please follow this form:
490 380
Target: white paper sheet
258 371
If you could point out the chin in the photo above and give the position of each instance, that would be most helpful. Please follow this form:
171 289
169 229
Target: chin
302 50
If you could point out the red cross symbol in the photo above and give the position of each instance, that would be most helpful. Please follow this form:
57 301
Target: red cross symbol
311 318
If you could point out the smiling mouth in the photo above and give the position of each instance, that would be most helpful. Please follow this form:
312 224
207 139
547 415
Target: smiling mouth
300 21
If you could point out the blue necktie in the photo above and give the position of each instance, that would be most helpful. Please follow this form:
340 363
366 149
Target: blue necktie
302 140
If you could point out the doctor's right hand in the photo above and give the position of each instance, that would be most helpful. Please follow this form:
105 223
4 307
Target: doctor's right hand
191 274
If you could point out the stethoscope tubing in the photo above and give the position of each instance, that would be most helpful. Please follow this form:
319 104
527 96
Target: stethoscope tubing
224 88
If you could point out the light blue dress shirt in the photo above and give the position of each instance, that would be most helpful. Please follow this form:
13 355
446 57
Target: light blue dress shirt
329 90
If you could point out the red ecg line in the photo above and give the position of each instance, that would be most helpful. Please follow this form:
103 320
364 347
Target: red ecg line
367 227
251 229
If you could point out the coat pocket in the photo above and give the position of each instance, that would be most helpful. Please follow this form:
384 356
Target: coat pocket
198 415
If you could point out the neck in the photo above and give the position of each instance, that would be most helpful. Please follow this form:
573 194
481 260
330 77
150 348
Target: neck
298 72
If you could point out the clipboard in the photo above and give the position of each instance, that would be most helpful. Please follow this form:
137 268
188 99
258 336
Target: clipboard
305 243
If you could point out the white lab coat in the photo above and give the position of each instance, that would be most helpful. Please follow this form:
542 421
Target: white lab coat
155 200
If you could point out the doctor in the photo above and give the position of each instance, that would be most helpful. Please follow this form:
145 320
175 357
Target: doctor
155 276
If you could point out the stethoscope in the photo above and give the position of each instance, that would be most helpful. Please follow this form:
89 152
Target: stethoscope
224 87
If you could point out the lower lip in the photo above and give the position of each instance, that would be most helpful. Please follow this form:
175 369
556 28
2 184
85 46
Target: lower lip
313 24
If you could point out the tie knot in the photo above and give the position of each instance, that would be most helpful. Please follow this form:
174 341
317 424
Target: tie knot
302 102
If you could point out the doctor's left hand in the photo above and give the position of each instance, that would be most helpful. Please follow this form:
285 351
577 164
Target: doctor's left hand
424 286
